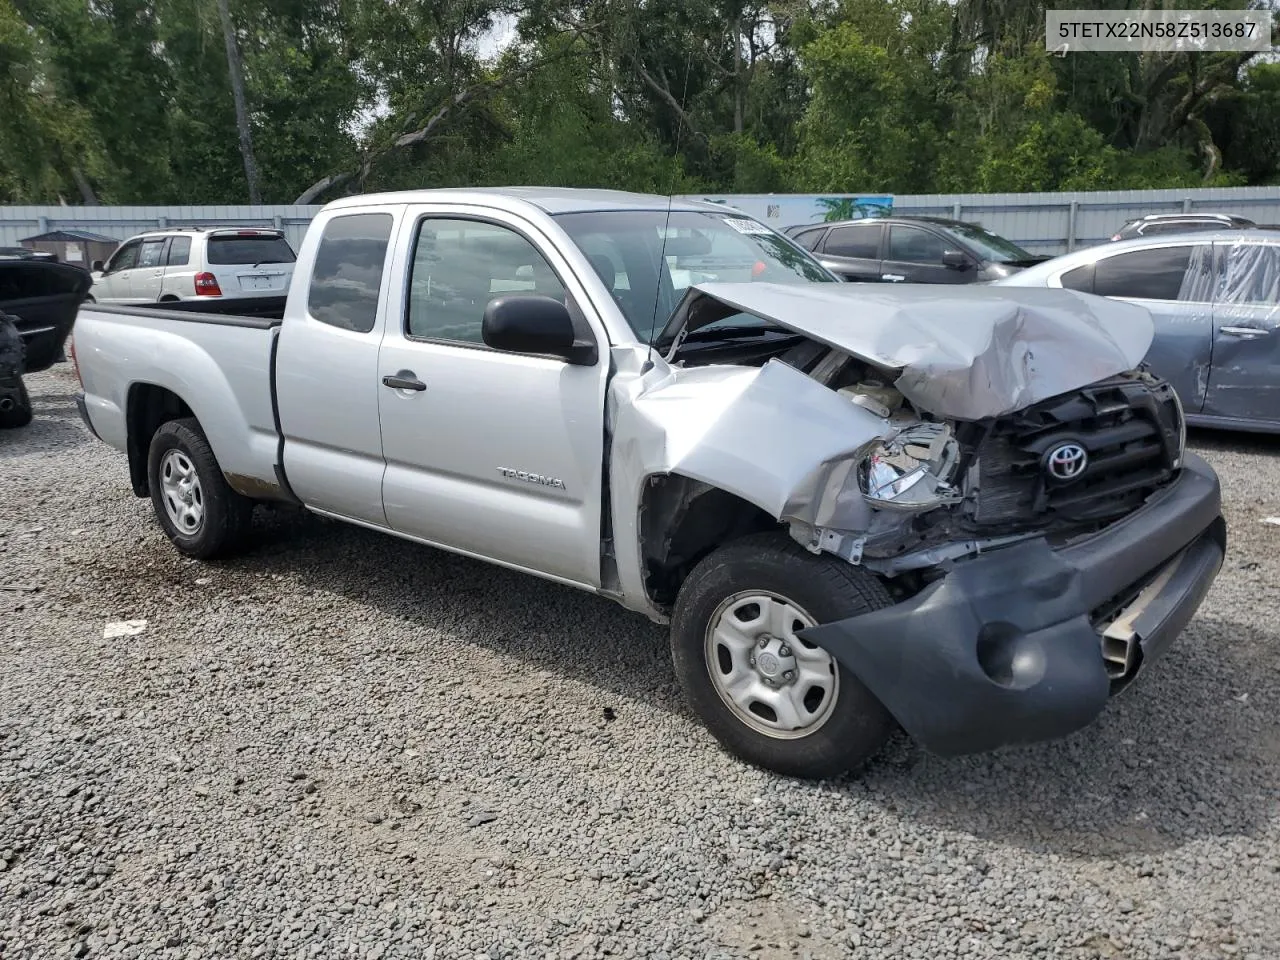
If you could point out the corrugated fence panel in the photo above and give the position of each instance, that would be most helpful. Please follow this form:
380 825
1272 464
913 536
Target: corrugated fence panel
1045 223
122 222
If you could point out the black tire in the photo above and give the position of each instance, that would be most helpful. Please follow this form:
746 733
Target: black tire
827 589
226 514
19 415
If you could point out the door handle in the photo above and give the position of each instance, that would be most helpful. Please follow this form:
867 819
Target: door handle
1247 333
892 277
404 380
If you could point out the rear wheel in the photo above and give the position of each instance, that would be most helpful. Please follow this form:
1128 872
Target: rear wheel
199 512
767 696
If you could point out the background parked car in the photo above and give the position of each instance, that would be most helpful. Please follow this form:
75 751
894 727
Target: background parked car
22 253
1215 298
912 250
1162 223
228 262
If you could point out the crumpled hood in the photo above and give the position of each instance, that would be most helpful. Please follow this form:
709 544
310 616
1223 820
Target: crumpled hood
964 352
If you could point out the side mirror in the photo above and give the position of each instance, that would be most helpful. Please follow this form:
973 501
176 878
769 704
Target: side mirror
97 266
532 323
955 260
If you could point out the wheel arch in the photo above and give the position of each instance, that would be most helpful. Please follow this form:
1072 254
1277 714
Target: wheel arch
680 521
147 408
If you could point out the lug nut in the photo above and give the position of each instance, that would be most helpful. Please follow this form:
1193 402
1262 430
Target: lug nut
789 675
752 660
764 641
785 651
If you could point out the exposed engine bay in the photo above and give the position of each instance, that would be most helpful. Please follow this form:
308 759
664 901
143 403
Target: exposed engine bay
939 489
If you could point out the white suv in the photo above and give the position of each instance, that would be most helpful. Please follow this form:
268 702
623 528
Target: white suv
191 264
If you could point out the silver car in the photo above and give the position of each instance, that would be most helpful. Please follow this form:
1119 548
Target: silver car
1215 299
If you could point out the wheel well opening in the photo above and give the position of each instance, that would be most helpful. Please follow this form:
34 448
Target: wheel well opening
681 521
168 298
149 407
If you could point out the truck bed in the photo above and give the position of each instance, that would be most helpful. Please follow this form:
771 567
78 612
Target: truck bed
134 360
263 312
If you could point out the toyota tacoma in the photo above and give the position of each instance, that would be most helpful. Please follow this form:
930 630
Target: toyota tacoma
965 512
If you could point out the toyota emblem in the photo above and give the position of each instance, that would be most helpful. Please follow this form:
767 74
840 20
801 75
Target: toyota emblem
1066 462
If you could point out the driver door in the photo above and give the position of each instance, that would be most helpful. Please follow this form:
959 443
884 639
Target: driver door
491 453
914 255
115 285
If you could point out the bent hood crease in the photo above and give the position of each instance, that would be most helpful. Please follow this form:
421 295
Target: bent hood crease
962 352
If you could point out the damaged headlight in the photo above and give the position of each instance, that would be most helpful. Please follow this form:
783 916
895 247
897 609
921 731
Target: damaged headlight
913 470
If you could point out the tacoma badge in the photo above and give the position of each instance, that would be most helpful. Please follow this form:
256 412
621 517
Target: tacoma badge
531 477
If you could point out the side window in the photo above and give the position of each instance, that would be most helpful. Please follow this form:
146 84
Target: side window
913 245
1252 274
126 258
459 266
1081 278
862 241
1143 274
179 251
347 274
151 252
809 238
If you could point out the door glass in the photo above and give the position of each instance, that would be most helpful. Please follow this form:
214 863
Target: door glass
126 258
459 266
861 241
913 245
809 238
179 251
1143 274
348 271
1252 275
1081 278
151 253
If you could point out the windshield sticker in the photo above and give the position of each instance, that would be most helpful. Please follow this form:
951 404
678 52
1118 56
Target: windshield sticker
748 226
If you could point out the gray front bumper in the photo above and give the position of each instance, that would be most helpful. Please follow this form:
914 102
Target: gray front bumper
1003 649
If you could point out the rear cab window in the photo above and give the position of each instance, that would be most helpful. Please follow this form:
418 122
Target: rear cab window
248 249
347 276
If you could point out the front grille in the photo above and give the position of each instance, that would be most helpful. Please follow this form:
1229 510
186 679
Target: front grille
1129 426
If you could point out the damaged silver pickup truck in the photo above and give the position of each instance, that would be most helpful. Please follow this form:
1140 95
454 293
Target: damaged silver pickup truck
964 511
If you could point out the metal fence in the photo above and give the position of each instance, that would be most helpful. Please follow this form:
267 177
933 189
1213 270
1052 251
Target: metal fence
1048 223
17 223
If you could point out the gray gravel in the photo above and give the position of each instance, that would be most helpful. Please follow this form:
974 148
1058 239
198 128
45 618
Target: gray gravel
342 745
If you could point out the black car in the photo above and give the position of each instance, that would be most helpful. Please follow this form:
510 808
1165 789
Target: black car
912 250
41 299
1180 223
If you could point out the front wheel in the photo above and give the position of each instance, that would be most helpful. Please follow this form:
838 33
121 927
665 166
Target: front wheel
201 514
767 696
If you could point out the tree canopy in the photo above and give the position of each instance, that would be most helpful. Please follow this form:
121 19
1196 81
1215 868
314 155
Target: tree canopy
192 101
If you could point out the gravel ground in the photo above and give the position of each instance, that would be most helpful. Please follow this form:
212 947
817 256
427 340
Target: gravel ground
345 745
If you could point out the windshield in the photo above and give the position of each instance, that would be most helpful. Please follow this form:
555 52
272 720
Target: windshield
988 245
624 248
